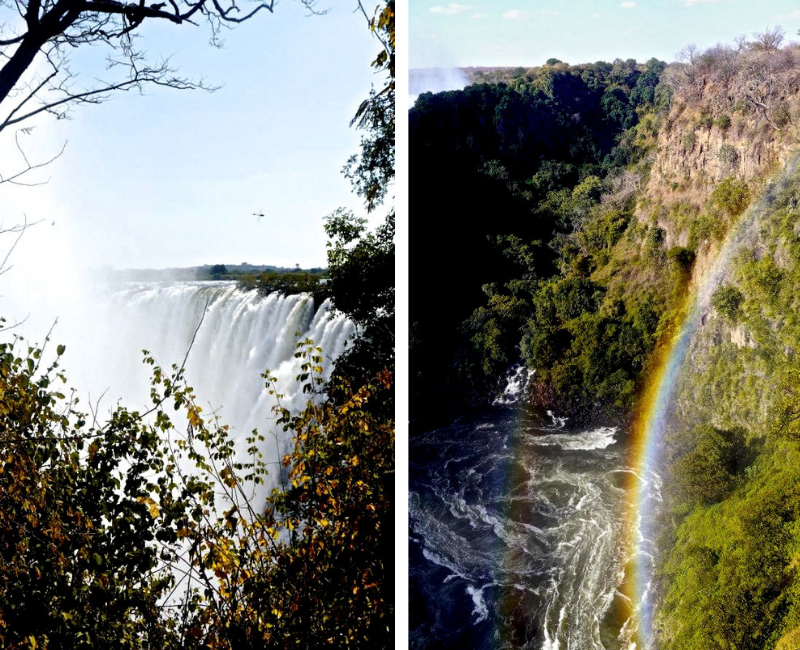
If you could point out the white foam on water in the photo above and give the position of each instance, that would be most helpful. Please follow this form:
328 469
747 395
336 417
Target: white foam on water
546 523
481 611
584 441
557 422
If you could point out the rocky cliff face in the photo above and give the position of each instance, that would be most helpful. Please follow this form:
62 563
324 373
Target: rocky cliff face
742 124
734 113
694 156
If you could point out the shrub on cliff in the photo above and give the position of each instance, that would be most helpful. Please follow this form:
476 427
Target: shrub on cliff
708 472
727 300
731 196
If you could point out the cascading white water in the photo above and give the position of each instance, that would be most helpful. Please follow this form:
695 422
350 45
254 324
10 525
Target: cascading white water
517 381
240 336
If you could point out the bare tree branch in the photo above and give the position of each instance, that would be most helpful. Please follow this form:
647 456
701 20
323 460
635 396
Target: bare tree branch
19 230
28 166
49 29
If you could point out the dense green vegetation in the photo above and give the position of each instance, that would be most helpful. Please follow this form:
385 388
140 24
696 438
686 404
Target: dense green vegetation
550 163
576 269
731 569
361 284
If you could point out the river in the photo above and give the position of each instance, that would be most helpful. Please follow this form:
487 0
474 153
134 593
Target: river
518 534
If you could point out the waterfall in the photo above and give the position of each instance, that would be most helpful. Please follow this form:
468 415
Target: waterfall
240 336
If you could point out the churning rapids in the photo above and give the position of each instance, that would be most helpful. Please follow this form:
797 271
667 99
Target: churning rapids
517 534
241 336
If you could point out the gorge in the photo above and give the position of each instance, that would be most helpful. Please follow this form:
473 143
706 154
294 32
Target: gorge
638 251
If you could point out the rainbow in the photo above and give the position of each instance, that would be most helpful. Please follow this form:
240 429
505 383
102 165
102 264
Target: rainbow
658 393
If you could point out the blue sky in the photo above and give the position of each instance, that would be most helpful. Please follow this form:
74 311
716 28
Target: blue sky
173 178
528 32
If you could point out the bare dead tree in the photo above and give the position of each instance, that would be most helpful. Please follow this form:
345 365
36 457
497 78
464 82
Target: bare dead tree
621 188
48 30
769 40
17 230
689 55
691 64
767 81
741 42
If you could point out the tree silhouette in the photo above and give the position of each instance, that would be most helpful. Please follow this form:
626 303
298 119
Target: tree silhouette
48 31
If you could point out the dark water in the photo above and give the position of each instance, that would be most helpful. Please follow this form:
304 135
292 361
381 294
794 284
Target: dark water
517 535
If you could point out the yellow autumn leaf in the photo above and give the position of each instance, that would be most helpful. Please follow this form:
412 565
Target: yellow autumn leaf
193 416
152 506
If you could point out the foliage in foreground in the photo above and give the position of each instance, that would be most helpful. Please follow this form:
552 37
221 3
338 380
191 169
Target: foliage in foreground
310 571
81 547
361 285
144 531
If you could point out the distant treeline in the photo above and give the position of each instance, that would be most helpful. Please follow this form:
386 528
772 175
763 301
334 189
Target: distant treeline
265 279
243 271
288 283
212 272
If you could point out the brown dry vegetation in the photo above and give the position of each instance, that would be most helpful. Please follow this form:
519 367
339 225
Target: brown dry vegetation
735 113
